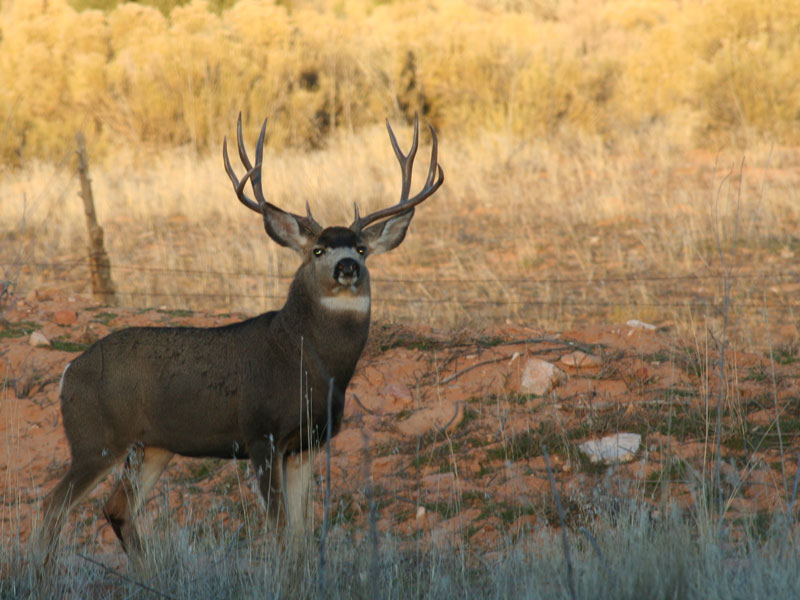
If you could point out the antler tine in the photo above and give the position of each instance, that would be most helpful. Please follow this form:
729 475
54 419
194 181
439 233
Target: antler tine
240 139
432 183
311 220
432 169
253 172
239 185
254 175
255 178
406 160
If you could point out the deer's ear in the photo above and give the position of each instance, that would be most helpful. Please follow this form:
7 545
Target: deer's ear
388 234
287 229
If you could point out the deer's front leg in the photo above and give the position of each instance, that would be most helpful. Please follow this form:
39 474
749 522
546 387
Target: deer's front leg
268 464
298 473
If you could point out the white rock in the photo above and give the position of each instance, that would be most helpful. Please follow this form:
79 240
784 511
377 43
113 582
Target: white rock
540 376
38 340
618 448
637 324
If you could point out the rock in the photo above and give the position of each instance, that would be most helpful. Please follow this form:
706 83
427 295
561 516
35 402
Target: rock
439 485
42 295
581 360
88 335
38 340
396 397
520 489
443 415
636 324
22 386
64 317
611 449
540 377
390 398
385 466
350 445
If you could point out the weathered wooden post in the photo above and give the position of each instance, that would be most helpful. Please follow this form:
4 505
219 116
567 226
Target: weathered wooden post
99 264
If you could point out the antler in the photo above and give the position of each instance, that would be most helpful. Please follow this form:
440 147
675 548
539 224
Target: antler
432 183
254 175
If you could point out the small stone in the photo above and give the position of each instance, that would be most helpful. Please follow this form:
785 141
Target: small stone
439 484
23 385
396 397
637 324
64 317
38 340
581 360
384 466
43 294
444 416
612 449
540 377
88 335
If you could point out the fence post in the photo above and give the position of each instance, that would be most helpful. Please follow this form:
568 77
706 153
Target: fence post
99 264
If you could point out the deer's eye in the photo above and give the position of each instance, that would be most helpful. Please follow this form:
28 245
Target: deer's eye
319 251
361 249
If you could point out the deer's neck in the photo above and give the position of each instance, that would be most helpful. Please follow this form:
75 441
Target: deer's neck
334 329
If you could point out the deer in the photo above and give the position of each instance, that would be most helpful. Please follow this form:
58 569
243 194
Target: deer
259 389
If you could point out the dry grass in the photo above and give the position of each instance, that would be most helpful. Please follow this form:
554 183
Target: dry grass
637 559
553 234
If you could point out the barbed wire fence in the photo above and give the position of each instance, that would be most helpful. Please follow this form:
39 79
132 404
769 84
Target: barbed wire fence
520 291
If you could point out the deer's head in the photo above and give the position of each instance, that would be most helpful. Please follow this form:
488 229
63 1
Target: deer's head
334 257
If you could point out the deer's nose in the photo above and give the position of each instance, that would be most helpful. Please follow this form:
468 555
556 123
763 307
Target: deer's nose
346 268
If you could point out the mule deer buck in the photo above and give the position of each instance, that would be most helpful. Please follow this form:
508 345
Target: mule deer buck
256 389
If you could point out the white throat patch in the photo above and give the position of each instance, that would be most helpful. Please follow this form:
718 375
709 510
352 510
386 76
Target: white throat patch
346 303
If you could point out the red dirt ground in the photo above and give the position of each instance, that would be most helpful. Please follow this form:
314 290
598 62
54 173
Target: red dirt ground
439 431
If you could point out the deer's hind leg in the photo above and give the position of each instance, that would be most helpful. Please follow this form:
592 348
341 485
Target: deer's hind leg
145 465
85 472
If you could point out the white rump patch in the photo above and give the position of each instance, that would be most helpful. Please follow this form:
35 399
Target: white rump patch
346 303
61 383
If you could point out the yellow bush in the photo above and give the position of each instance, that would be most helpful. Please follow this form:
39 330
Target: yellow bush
710 72
748 82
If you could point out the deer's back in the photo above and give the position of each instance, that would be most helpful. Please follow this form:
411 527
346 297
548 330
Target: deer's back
171 386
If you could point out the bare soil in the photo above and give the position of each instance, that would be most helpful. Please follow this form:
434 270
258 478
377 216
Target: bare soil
439 438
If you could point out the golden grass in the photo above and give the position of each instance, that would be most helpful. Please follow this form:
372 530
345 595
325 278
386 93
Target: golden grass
547 234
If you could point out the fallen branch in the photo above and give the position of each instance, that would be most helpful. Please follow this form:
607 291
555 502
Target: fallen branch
451 421
490 361
362 407
612 580
564 539
131 580
483 363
